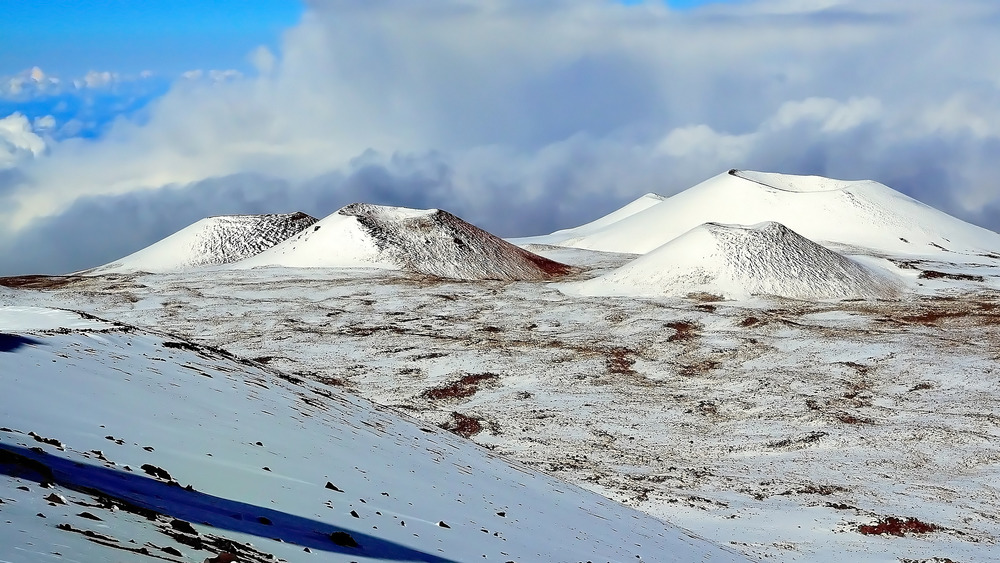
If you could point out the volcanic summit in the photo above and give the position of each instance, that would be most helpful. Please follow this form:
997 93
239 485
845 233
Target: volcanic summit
427 241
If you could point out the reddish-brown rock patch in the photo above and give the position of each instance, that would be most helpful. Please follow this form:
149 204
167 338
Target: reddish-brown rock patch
467 386
892 526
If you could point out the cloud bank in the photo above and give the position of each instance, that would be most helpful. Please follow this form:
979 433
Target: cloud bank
18 140
528 116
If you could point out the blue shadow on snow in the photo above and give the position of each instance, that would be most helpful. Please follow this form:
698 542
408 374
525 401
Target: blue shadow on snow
194 506
11 342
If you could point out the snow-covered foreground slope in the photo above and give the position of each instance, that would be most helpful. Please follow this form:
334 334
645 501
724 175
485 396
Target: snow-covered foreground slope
430 241
122 445
853 216
211 241
735 262
780 428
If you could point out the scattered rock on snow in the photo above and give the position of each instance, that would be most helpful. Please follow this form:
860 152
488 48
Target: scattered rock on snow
155 471
49 441
211 241
89 516
344 539
184 527
738 262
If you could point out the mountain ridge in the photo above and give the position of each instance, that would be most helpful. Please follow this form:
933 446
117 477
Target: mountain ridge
740 262
215 240
431 241
863 216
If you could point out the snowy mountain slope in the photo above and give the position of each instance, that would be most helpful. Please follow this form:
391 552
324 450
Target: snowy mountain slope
776 427
642 203
432 242
851 216
211 241
123 445
737 262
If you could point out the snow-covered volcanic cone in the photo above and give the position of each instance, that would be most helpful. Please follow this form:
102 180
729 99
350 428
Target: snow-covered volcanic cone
428 241
737 262
211 241
851 216
558 238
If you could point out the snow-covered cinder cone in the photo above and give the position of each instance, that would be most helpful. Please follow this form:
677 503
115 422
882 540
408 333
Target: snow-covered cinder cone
560 238
211 241
737 262
427 241
848 216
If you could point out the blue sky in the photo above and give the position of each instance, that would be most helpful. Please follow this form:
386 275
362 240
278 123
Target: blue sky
70 37
163 38
521 116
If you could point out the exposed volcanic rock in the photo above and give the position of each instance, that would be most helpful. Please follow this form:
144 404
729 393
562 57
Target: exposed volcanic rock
738 262
432 242
211 241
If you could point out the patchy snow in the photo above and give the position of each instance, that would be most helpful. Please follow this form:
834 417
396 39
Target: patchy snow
211 241
851 216
431 242
776 427
790 430
125 445
735 262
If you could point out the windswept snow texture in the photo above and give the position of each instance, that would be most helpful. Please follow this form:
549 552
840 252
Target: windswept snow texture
737 262
119 445
431 242
15 319
850 216
211 241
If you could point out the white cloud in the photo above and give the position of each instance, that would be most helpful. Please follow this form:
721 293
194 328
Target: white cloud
701 141
18 141
827 114
522 96
962 114
28 82
95 79
35 83
36 74
44 123
212 75
819 116
263 60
